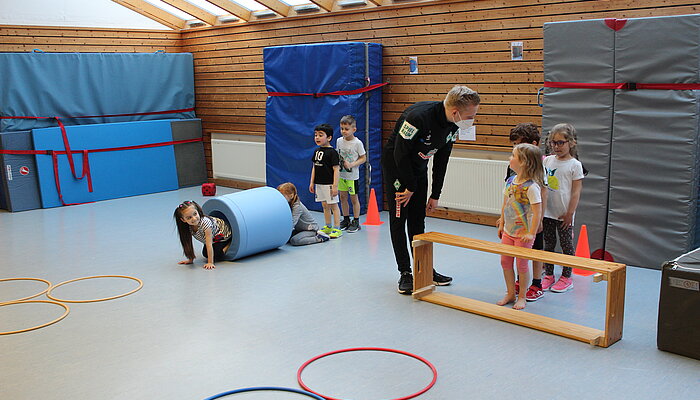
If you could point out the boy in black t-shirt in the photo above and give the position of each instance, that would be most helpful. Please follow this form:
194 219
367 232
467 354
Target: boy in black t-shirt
325 174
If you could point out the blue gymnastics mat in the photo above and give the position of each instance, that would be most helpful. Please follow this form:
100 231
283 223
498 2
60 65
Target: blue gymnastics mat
290 120
114 173
93 84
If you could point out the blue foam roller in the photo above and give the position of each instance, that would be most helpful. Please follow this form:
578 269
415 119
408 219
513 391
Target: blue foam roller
260 220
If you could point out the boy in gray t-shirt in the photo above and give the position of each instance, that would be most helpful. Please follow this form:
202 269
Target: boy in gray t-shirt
352 155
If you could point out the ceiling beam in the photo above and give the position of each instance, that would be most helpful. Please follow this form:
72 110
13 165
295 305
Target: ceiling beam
150 11
189 8
325 4
276 6
240 12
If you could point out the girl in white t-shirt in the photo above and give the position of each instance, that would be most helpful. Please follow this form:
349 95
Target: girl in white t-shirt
564 181
520 216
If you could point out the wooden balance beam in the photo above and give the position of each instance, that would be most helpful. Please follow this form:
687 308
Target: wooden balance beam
614 273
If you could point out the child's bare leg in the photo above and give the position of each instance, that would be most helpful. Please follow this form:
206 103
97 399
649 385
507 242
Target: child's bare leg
336 214
344 206
326 213
520 303
509 276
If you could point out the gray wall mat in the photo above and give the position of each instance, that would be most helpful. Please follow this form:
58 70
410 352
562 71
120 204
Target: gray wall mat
593 123
658 50
20 192
653 187
578 51
591 59
189 157
655 147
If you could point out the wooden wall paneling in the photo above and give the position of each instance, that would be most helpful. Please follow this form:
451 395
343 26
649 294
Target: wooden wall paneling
15 38
455 41
392 32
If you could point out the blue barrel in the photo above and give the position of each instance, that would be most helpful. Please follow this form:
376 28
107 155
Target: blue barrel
260 220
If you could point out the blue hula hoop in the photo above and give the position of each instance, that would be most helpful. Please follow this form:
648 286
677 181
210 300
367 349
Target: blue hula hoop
278 389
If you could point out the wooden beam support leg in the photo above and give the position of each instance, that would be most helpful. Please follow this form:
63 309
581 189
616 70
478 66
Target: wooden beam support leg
615 307
422 268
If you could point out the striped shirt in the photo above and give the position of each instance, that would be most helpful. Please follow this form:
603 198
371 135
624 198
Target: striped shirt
220 231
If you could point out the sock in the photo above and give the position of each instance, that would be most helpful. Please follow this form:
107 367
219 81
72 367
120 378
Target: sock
537 282
346 218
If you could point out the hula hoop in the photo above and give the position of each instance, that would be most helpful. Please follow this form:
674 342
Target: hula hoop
48 293
38 326
279 389
421 359
26 279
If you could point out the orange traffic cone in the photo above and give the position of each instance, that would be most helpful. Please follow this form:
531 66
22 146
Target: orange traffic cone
372 210
583 250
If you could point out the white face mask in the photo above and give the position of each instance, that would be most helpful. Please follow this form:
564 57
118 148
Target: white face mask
464 124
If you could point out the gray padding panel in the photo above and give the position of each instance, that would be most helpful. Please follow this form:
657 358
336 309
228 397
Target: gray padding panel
578 51
590 111
653 185
654 156
658 50
20 192
593 124
189 157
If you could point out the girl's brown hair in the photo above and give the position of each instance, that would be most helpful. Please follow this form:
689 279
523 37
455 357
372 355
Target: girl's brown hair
289 189
569 133
183 228
530 158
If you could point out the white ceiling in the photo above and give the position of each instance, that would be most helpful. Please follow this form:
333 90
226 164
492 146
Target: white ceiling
80 13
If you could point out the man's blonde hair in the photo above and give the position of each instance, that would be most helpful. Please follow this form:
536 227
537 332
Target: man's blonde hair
462 97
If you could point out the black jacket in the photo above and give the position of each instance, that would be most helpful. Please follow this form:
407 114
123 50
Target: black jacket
421 132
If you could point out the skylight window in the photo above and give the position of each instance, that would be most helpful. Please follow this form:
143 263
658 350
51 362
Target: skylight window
212 8
252 5
170 9
295 2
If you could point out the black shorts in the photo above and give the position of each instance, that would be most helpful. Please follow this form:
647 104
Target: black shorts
219 254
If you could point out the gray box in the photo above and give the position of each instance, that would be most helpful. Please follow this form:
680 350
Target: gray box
19 187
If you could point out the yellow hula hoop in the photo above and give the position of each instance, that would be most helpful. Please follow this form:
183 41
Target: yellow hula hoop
38 326
29 297
48 293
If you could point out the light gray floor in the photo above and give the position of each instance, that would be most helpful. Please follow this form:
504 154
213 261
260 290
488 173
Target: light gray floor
192 333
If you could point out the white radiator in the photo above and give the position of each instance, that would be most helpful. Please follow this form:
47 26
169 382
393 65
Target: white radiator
473 185
235 159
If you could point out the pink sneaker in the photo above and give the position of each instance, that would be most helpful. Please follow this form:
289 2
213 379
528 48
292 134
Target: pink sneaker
547 281
562 285
533 293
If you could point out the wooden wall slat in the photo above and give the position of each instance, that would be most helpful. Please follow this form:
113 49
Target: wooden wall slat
56 39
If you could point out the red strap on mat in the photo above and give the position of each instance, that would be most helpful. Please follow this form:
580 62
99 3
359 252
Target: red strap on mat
337 93
625 85
86 162
66 144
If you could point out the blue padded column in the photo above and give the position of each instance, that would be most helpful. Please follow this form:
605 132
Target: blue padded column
260 220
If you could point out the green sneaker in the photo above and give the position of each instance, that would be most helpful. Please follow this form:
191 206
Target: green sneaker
327 230
335 234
